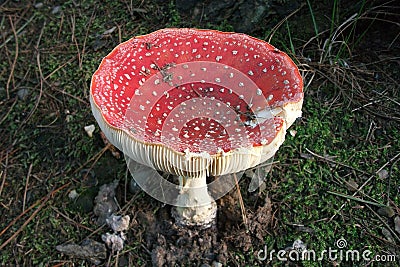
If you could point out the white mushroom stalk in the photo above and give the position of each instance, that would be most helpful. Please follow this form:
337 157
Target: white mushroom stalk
194 205
195 103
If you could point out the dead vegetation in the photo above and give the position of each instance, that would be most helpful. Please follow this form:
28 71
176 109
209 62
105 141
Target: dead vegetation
349 135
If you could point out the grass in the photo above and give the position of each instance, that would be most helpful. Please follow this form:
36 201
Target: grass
344 136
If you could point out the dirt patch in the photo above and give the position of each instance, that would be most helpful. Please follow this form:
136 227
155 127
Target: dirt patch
170 244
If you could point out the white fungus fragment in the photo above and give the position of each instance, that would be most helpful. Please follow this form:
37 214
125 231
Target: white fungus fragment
90 129
118 223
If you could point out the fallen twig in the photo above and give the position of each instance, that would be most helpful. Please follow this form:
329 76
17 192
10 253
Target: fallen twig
42 203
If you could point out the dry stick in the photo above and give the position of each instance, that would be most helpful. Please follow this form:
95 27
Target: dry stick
18 32
335 162
70 220
4 174
384 223
389 180
43 201
277 26
11 76
244 216
356 199
85 39
363 185
95 158
41 77
9 110
26 186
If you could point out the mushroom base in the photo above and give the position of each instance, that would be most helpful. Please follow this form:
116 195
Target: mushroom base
194 206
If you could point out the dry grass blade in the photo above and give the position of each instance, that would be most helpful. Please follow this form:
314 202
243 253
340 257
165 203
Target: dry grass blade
39 204
242 208
11 76
26 187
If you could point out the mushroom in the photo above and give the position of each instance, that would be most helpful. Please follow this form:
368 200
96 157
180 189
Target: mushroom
196 103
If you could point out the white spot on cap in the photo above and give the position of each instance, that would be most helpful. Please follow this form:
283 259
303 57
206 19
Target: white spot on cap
285 82
270 97
154 93
141 107
259 92
234 52
196 128
250 73
157 81
265 70
264 141
185 66
218 80
241 84
218 58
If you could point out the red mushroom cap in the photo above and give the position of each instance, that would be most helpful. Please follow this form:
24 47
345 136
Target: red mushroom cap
202 93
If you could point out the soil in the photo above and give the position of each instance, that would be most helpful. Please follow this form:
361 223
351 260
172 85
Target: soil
156 233
171 244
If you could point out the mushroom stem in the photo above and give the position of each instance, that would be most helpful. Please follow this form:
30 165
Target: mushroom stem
194 206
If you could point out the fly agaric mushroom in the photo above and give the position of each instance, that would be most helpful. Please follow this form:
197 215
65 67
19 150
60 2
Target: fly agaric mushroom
196 103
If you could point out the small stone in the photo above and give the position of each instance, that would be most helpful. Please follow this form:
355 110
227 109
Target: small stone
105 203
387 235
56 10
383 174
73 194
351 185
22 93
397 224
38 5
216 264
118 223
90 129
89 250
386 211
114 241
